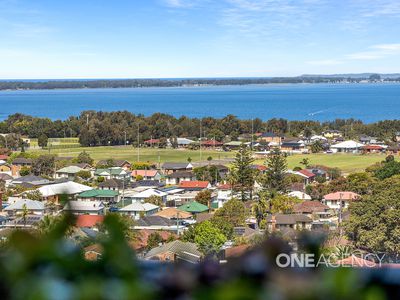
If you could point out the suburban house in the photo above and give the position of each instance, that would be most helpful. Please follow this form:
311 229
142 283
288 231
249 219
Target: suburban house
19 206
293 146
232 145
5 168
157 223
195 185
292 221
146 174
22 162
184 142
169 168
307 176
85 207
152 142
373 149
52 192
88 221
300 195
137 209
340 200
193 207
173 214
112 173
181 198
312 209
347 146
30 181
211 143
6 178
111 184
179 176
4 157
175 251
332 134
68 172
271 137
124 164
105 196
144 195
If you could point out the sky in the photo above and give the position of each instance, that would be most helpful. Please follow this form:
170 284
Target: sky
47 39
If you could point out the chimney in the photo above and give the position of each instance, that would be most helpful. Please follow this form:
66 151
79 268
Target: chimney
273 223
1 200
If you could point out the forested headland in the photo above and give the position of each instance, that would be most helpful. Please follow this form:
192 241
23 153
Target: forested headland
140 83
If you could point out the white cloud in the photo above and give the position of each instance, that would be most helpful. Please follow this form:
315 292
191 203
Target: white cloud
373 52
376 52
326 62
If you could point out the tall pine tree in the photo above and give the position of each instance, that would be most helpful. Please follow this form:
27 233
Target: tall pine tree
275 178
242 174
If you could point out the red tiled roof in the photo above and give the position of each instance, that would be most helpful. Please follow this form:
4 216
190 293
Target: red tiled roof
152 141
211 143
236 251
144 173
307 173
342 196
3 157
260 167
194 184
225 186
309 207
372 147
88 220
143 236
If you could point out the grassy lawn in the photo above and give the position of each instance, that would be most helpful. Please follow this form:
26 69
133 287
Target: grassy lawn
146 154
346 162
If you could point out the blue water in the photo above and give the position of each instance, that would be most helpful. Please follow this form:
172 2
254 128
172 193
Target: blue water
368 102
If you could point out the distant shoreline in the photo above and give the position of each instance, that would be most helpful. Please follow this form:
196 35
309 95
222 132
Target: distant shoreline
26 85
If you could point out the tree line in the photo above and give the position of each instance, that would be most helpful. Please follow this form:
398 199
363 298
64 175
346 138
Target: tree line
140 83
97 128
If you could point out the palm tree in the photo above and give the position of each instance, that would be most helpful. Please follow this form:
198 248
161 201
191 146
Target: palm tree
25 213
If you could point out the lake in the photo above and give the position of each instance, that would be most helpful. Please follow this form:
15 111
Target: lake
368 102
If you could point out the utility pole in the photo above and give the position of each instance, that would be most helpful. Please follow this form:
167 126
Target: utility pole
252 133
201 154
340 215
125 137
138 144
87 119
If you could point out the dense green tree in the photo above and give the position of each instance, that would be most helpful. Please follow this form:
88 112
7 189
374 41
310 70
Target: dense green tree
44 165
283 204
317 147
24 171
208 238
374 222
154 240
361 183
388 169
156 200
43 140
233 211
84 158
275 177
208 173
242 175
203 197
225 227
84 174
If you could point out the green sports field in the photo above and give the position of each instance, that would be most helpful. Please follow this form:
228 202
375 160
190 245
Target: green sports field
145 154
346 162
